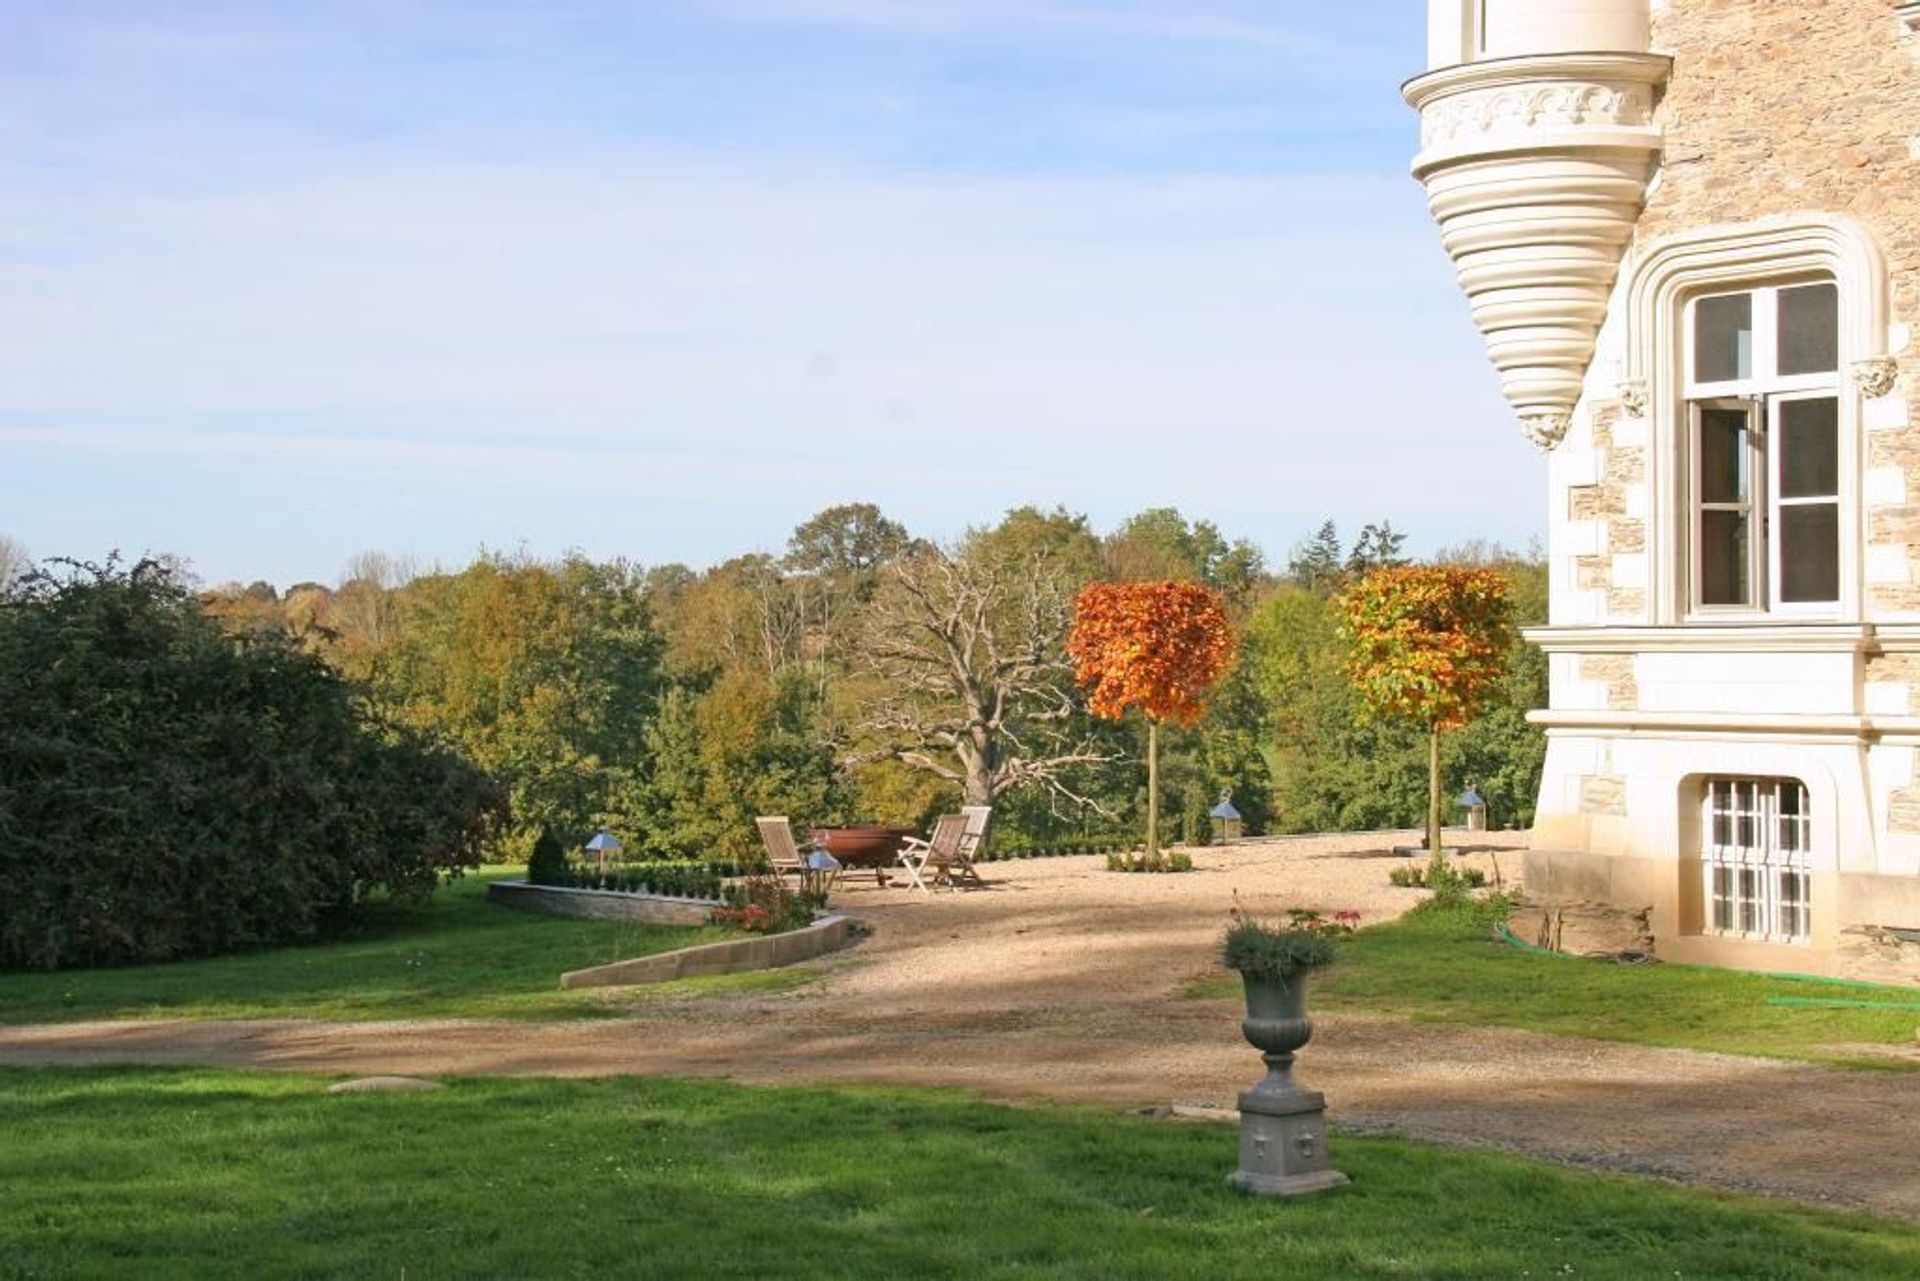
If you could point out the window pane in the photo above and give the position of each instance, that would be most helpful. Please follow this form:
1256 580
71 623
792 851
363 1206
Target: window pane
1723 338
1810 330
1725 459
1810 552
1723 558
1809 448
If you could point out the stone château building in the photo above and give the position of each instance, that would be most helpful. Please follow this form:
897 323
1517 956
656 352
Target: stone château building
1690 232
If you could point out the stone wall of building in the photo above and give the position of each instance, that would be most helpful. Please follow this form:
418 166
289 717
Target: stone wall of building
1779 108
1612 504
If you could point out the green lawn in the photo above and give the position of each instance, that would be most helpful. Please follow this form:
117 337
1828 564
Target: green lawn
458 956
208 1175
1441 964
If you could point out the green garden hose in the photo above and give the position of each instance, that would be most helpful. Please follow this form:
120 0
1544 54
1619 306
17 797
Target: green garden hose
1508 937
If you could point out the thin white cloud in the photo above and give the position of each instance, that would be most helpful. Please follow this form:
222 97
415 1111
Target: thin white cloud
1144 21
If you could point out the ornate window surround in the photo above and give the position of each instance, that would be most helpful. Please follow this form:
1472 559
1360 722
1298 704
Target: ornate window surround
1660 279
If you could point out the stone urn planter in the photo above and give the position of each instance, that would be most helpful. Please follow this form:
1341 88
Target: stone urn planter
1283 1127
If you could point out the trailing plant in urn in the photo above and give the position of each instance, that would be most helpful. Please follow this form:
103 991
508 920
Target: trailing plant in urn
1283 952
1428 644
1156 646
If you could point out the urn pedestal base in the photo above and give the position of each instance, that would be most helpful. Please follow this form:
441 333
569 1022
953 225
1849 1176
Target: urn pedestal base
1283 1145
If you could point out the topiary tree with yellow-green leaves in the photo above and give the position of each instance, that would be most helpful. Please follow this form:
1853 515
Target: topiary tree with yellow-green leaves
1427 644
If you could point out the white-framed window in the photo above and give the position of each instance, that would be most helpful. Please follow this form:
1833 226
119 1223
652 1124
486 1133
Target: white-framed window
1757 832
1766 503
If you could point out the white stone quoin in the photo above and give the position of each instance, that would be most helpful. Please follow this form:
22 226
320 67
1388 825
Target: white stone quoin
1537 144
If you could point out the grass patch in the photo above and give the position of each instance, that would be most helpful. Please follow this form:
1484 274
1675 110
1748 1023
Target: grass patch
1441 964
165 1173
457 956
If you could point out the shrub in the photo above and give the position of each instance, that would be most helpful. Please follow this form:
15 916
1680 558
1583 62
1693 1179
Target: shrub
663 879
548 865
1307 942
765 904
1442 878
168 790
1178 861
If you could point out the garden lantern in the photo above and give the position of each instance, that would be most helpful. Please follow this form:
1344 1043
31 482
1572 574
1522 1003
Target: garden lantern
603 844
1226 820
1476 809
819 871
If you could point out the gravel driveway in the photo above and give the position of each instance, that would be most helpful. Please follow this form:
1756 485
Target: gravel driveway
1062 981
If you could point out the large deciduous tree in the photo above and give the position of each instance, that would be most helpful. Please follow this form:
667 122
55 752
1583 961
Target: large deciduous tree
1158 646
1428 645
965 673
544 674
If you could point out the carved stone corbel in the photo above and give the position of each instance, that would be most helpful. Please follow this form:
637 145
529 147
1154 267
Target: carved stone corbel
1633 397
1545 428
1875 378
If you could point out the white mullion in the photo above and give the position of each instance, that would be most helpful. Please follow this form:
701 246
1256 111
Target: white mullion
1769 413
1766 336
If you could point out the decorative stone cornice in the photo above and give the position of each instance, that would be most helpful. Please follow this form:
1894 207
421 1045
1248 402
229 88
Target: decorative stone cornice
1536 169
1876 377
1711 638
1475 114
1776 727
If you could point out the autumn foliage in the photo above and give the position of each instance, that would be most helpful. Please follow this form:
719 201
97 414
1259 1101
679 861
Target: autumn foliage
1428 643
1156 646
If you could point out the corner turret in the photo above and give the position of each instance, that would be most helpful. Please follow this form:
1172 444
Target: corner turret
1538 142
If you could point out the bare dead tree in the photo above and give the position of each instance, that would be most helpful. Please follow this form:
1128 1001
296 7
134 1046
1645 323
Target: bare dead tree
363 606
14 561
967 675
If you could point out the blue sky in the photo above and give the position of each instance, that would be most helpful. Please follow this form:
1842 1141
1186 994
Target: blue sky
284 282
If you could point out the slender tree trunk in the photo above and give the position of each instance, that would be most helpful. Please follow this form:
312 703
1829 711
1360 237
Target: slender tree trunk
1433 791
1153 794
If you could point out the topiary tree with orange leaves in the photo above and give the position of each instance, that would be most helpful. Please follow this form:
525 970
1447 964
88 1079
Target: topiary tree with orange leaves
1158 646
1427 644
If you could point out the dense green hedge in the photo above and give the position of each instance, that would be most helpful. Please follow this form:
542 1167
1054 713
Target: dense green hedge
168 790
672 879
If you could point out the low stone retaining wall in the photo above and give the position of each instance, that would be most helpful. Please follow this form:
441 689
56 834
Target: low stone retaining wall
1880 954
1584 929
734 956
602 905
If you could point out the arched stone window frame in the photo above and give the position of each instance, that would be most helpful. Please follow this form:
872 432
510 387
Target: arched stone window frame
1660 280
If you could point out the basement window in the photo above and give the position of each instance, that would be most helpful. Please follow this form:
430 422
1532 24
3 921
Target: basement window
1757 835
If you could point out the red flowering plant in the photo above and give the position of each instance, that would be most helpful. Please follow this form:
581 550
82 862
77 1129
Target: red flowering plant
763 903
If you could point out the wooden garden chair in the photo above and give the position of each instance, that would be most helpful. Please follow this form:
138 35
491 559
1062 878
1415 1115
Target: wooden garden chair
939 852
973 838
783 852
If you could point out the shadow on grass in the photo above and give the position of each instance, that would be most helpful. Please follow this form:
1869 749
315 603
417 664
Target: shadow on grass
234 1175
457 956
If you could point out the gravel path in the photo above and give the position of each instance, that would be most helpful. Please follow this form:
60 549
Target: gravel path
1064 982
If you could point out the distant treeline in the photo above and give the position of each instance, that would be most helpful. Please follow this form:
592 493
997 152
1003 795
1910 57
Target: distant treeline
870 675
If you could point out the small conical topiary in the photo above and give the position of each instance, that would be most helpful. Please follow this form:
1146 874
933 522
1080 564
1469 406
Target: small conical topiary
548 866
